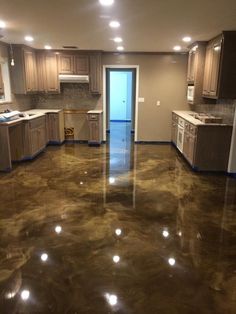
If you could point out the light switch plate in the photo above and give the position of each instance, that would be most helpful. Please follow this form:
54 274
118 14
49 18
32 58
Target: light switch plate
141 99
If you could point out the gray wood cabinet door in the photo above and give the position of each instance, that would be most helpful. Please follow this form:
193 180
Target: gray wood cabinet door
52 79
95 79
66 64
53 127
82 65
31 81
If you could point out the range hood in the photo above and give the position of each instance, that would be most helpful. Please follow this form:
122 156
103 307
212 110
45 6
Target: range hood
69 78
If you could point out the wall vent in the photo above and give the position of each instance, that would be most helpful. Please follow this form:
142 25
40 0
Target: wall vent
70 47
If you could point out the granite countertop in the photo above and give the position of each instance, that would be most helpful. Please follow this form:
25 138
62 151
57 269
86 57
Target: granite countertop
186 115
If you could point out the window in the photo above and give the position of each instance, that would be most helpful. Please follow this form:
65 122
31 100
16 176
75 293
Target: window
5 89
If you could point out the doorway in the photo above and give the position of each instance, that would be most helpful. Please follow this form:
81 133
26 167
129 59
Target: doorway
121 96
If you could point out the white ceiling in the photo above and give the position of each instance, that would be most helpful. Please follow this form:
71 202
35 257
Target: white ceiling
146 25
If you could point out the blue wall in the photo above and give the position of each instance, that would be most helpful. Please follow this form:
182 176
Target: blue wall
120 95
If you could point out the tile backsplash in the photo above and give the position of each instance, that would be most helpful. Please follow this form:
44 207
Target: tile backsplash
72 96
19 102
224 108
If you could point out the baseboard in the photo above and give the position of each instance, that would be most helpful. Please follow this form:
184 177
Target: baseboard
120 120
153 142
55 143
76 141
232 175
33 156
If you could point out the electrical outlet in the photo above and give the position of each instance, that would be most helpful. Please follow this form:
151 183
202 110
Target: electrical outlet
158 103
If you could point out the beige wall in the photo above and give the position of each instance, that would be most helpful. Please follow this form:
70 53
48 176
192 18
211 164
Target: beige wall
162 77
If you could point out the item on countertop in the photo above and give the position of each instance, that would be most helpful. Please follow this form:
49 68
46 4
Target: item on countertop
9 116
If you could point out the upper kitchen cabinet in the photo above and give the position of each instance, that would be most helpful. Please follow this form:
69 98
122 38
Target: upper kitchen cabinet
82 65
73 64
196 61
47 64
52 79
1 82
95 78
24 72
220 67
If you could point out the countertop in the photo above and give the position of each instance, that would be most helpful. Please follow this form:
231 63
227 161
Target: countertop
95 111
36 114
186 115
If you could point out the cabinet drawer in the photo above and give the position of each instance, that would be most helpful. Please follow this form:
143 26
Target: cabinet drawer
93 117
35 123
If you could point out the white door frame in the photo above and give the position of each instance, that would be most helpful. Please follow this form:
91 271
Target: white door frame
105 100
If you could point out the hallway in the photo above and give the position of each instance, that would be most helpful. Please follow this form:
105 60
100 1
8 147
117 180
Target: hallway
121 228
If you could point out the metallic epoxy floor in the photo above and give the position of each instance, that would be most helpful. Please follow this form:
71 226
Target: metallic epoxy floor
125 229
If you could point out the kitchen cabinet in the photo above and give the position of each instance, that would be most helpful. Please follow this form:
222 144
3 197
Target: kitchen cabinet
55 127
220 67
174 128
30 71
196 62
81 65
52 79
74 64
24 73
95 78
66 64
189 142
41 67
211 72
1 82
95 127
48 81
192 64
34 137
206 147
47 65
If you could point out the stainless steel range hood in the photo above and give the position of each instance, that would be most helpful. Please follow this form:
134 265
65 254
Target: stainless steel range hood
68 78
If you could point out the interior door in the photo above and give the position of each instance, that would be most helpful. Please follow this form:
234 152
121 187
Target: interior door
120 96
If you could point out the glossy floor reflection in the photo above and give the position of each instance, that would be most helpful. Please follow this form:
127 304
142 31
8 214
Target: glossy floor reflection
156 239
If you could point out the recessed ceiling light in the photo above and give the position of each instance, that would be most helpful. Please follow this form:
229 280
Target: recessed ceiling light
118 40
187 39
47 47
120 48
177 48
114 24
2 24
106 2
29 38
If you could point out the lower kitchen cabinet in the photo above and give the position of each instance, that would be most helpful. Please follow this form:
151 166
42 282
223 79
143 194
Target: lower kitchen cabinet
55 128
189 147
207 149
174 128
34 137
95 127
